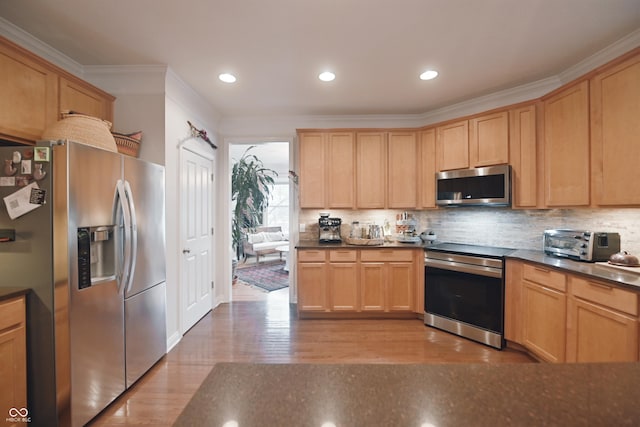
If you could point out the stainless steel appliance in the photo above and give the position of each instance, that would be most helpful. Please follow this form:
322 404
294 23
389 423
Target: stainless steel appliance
92 247
329 230
488 186
581 245
464 291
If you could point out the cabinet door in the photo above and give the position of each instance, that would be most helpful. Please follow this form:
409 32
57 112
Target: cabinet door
343 286
513 301
544 313
402 176
615 126
566 147
28 96
341 170
489 139
400 284
523 156
13 354
598 334
312 286
372 286
312 169
83 98
452 146
371 178
427 169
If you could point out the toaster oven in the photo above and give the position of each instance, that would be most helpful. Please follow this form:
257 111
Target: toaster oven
581 245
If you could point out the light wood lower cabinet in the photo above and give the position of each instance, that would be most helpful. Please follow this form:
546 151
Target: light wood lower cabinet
602 323
13 354
560 316
379 281
544 309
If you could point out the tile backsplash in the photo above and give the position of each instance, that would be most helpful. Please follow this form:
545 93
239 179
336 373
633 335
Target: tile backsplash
491 226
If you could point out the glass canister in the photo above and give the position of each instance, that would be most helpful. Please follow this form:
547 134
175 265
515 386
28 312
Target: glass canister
356 232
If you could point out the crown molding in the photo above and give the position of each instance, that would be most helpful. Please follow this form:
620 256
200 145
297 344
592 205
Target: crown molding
609 53
43 50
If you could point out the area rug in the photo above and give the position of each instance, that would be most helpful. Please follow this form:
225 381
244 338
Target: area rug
269 277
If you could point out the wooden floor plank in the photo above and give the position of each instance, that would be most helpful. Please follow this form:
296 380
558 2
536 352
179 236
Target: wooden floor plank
262 328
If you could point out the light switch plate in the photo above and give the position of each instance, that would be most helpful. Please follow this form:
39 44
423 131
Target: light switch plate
302 228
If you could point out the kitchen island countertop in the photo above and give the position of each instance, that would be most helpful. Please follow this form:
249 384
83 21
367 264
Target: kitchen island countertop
593 270
314 244
439 395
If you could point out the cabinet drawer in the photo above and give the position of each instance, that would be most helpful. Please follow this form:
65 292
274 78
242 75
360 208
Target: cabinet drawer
12 313
346 255
604 294
545 277
386 255
312 255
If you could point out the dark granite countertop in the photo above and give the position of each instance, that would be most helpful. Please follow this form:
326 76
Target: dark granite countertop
314 244
8 293
413 395
597 271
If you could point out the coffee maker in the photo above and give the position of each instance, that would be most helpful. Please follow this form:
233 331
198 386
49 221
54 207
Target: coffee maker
329 229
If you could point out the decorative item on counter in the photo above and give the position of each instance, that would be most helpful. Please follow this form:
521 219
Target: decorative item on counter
406 228
428 237
128 143
365 235
17 157
625 259
83 129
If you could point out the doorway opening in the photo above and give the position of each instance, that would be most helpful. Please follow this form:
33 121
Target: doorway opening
261 267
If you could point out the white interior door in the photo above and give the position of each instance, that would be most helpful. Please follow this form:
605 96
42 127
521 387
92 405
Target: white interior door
196 195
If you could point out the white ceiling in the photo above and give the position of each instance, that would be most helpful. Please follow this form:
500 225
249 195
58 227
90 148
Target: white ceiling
377 48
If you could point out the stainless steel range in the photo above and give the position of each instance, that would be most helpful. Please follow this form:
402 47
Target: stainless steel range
464 291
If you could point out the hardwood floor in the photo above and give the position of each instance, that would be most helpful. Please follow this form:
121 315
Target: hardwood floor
260 327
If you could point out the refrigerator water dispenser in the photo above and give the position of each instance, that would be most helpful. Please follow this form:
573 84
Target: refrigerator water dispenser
96 255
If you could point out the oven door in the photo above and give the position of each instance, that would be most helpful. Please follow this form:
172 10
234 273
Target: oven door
468 302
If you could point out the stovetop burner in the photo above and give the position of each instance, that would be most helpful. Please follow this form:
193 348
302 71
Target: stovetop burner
477 250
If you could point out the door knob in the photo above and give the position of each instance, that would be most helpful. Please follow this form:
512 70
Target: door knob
186 251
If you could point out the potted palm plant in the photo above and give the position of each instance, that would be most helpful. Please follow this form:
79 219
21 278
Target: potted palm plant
251 185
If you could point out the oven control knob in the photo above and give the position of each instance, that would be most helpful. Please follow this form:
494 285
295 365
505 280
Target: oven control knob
584 245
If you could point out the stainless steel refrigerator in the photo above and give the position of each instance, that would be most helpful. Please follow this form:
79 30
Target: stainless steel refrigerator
89 229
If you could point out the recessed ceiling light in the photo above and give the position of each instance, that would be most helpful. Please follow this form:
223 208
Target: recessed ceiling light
227 78
428 75
327 76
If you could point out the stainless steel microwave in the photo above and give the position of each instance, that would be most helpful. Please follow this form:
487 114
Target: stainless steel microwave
488 186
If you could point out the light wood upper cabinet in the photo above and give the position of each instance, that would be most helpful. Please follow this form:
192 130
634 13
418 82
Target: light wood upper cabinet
615 134
312 176
13 353
427 169
566 147
523 156
83 98
402 175
341 169
371 166
452 146
489 139
28 95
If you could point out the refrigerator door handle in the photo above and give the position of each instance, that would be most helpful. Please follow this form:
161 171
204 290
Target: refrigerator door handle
121 205
133 235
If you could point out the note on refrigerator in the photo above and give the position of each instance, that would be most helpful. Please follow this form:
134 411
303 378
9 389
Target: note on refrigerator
20 202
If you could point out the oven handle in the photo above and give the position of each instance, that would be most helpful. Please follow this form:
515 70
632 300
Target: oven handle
464 268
